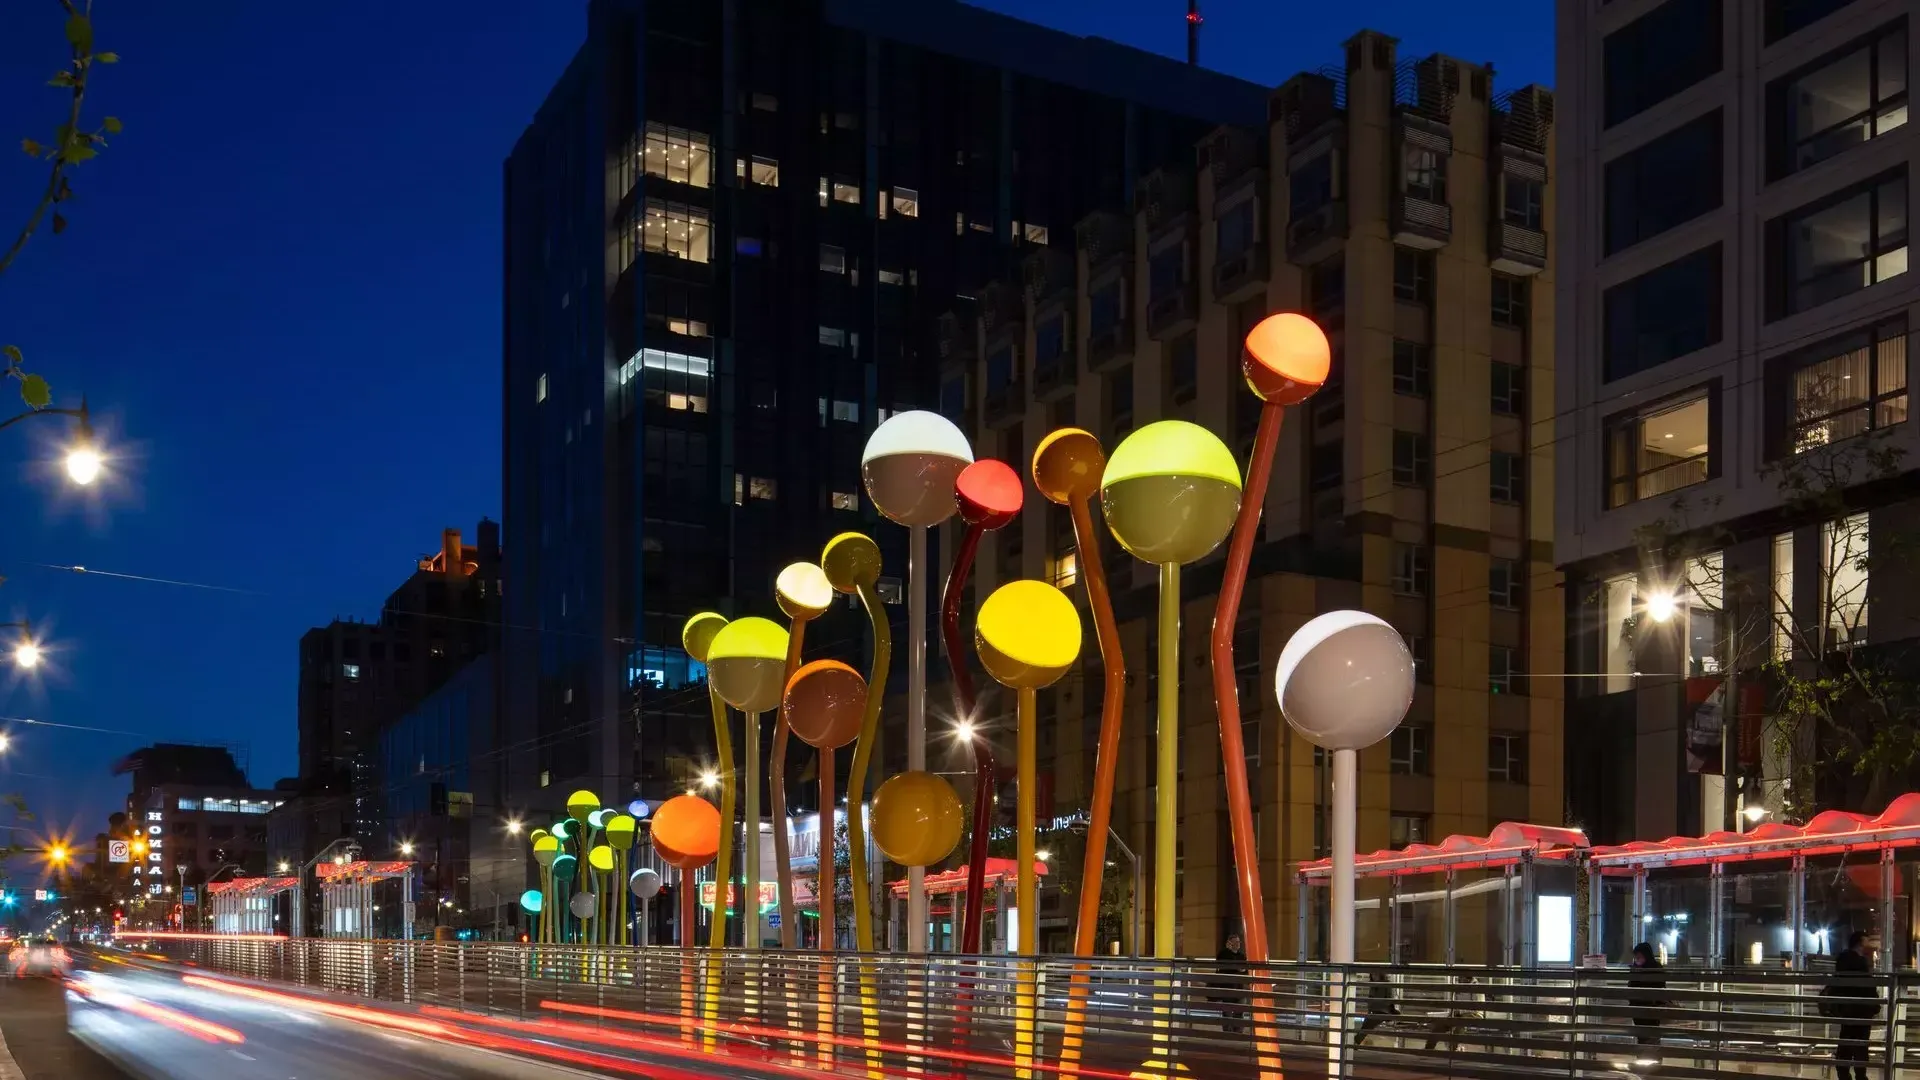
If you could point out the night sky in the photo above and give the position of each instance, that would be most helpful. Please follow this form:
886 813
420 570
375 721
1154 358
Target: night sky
280 292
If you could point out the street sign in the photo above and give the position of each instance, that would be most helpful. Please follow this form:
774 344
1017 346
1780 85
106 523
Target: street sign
118 851
773 920
187 896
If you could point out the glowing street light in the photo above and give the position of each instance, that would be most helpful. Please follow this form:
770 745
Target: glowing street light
5 743
709 779
83 464
284 868
513 827
406 847
57 854
964 731
27 654
1754 812
1660 606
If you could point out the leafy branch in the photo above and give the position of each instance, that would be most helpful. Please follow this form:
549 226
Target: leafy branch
72 144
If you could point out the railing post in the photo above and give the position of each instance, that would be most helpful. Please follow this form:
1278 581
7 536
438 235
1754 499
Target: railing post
1889 882
1528 916
1393 920
1448 916
1797 909
1306 895
1716 915
1596 910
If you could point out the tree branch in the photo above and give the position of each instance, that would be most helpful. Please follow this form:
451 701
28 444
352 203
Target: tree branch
82 63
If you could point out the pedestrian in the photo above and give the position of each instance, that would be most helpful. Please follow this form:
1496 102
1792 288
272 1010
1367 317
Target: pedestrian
1646 991
1231 968
1380 1005
1849 999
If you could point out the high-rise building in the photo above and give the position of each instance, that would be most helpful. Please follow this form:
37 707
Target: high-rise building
729 230
1735 312
358 677
1404 206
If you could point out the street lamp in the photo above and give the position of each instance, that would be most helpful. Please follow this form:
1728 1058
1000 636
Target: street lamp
406 847
26 652
513 827
83 459
57 854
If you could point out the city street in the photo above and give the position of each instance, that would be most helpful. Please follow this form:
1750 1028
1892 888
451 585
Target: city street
122 1022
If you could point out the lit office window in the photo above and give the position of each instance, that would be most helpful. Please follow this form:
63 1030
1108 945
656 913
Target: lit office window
906 202
846 500
679 155
677 229
1843 571
1783 597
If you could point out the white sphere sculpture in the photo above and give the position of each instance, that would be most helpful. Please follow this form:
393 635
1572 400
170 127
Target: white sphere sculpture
644 883
1345 680
910 464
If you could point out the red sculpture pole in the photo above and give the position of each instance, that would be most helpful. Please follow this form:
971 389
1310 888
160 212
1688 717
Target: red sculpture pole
1285 360
988 496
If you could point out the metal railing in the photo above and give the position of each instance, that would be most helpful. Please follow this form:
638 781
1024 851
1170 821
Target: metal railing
994 1016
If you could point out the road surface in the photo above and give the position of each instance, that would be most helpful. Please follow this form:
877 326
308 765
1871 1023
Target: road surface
114 1020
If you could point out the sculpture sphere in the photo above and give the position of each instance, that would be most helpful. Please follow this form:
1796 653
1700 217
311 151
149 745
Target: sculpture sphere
910 464
916 819
1171 492
1345 680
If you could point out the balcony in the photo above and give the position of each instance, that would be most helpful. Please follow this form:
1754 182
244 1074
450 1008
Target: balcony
1054 378
1174 313
1516 249
1111 348
1317 234
1421 223
1006 405
1244 275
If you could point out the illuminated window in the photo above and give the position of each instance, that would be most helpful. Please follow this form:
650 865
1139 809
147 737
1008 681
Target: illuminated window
892 277
1848 387
764 171
1066 569
762 487
906 202
661 362
540 388
889 590
678 230
1783 597
846 500
739 489
833 260
544 778
847 411
834 336
1666 448
845 192
187 804
1035 234
689 327
687 402
350 672
1843 571
679 155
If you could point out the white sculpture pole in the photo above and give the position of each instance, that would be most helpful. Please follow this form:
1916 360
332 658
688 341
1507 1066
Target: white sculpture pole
1344 682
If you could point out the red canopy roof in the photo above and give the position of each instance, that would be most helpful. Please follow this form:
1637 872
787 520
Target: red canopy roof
998 870
1829 833
1508 843
252 885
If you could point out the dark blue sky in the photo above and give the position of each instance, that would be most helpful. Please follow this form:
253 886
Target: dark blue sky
281 292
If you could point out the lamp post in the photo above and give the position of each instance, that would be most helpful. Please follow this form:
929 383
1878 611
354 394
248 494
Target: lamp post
1344 682
910 465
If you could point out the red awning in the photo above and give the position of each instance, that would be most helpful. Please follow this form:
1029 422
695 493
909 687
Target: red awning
1829 833
1507 844
947 881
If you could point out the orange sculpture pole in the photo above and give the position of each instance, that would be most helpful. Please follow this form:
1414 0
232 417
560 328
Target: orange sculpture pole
1285 360
1066 469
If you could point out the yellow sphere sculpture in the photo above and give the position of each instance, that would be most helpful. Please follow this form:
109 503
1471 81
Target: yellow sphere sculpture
747 664
697 636
545 850
917 819
580 804
1028 634
1171 492
621 830
600 858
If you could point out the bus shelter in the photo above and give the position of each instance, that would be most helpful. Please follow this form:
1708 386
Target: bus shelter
947 906
1776 895
1511 892
245 905
348 897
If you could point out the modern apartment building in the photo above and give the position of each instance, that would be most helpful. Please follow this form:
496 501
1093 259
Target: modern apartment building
1404 205
729 230
1734 310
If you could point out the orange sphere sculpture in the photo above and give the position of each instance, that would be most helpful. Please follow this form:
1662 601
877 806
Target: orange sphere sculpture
1286 358
826 701
916 819
686 832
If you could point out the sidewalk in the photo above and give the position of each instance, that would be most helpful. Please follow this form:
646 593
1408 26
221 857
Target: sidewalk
33 1023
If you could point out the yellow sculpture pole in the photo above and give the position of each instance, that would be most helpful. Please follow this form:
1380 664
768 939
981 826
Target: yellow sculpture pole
697 639
746 665
1171 493
1028 635
804 594
852 563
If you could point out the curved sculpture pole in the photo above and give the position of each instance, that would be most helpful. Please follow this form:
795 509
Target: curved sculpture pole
1066 469
1286 358
804 594
988 496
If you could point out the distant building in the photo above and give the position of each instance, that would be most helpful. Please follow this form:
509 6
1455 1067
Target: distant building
206 829
357 677
178 763
422 765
